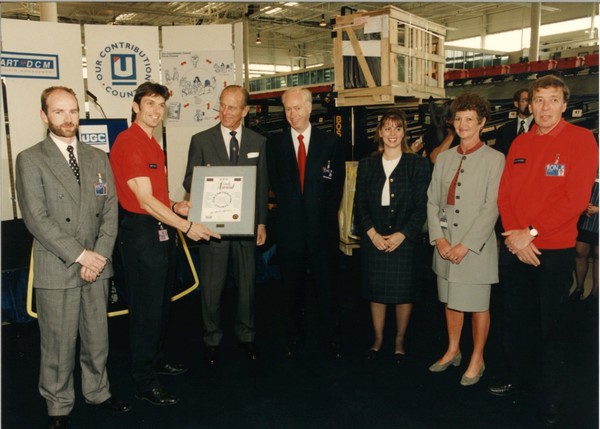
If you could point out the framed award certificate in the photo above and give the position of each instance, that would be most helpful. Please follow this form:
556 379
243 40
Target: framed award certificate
223 199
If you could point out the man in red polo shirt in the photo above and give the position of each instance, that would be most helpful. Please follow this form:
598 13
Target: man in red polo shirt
146 240
545 186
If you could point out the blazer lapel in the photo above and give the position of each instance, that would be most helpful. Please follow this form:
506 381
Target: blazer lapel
219 146
289 156
89 176
61 169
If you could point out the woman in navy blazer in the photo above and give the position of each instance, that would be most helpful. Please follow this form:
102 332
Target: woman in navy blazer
390 209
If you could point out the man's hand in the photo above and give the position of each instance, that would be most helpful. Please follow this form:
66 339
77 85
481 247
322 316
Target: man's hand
517 239
182 208
93 261
88 275
261 235
528 255
200 232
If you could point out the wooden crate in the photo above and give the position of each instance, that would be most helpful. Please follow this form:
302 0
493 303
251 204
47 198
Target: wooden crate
385 54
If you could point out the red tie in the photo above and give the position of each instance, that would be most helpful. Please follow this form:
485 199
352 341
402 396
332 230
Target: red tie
301 160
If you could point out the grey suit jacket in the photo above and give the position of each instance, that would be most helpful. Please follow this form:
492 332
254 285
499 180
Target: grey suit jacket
472 218
208 148
65 218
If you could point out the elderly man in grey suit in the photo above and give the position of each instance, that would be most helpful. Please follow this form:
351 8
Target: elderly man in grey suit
230 143
67 197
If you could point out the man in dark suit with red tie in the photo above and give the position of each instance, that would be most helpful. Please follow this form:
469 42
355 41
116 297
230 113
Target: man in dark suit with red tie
307 172
523 122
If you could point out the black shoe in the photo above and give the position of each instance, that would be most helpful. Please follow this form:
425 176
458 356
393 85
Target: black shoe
57 422
212 355
502 389
291 349
372 354
157 396
336 350
171 369
399 357
113 405
250 350
577 294
552 415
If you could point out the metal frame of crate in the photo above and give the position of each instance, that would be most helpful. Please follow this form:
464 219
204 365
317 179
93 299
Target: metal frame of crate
411 54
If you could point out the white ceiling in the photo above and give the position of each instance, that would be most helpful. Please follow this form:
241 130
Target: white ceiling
293 32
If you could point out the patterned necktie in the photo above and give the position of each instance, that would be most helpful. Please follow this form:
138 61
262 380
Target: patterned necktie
301 160
234 149
73 162
522 127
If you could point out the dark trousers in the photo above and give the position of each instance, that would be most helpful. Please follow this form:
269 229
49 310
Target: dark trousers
322 265
536 314
149 274
214 258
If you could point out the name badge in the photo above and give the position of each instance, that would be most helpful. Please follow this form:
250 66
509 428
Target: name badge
555 170
444 220
100 187
163 234
327 171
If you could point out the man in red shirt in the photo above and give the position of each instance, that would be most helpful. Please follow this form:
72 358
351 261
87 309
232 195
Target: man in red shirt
146 240
545 186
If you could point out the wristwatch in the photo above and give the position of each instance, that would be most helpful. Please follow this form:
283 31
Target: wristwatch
533 231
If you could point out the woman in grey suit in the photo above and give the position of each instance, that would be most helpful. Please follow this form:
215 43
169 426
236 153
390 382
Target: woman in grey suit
461 213
390 208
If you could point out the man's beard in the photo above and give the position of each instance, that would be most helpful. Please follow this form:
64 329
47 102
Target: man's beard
60 132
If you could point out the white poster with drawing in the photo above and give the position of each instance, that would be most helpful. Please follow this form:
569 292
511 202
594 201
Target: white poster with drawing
196 80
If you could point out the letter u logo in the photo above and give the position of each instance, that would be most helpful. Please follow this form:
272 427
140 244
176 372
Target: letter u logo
123 69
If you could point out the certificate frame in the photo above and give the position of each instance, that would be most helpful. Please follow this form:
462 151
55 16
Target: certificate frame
236 216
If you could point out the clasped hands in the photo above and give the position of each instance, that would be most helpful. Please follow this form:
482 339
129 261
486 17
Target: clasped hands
520 243
92 264
454 254
387 243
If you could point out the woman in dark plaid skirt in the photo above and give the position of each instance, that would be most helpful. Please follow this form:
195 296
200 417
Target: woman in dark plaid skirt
390 209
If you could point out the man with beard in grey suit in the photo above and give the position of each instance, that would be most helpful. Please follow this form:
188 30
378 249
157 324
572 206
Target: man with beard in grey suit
67 197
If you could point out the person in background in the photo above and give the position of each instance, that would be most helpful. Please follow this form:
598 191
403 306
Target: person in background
231 143
147 235
68 201
390 210
545 186
461 213
307 173
587 239
521 124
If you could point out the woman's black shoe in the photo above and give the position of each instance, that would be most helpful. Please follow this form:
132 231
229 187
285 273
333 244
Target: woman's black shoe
372 354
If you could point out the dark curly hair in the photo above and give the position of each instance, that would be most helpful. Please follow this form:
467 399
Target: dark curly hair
471 101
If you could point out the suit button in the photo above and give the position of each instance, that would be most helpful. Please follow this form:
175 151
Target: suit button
458 197
462 170
458 184
97 214
456 211
391 180
392 195
392 210
455 224
68 219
